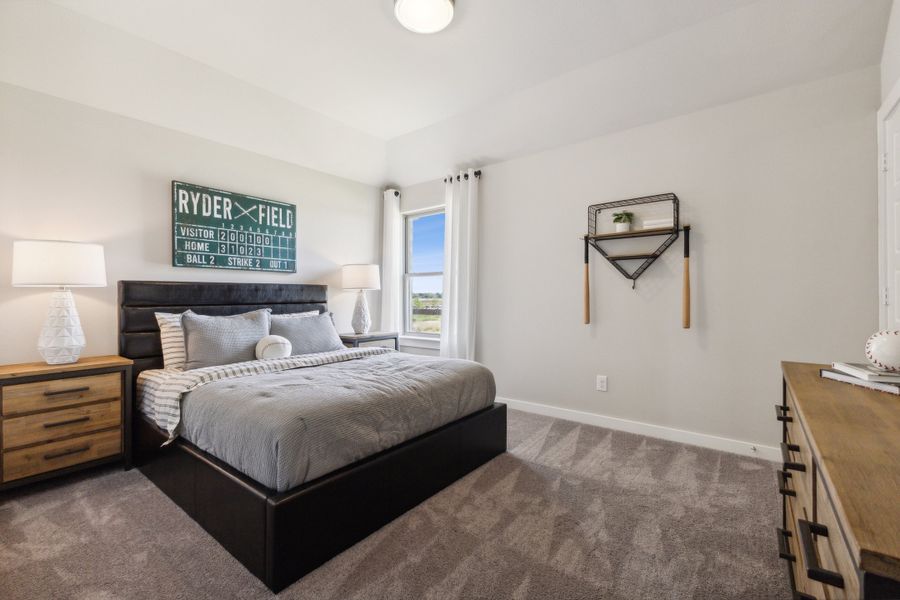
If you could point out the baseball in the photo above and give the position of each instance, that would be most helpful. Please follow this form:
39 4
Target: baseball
883 350
273 346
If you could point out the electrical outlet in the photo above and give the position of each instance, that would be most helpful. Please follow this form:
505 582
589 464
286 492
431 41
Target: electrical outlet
601 383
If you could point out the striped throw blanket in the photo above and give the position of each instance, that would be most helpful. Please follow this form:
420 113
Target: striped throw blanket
160 390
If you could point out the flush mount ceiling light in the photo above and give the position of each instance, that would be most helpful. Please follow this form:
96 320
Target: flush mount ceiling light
424 16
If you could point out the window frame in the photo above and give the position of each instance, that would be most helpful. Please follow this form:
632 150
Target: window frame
408 276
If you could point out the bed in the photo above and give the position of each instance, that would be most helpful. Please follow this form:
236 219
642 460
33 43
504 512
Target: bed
304 516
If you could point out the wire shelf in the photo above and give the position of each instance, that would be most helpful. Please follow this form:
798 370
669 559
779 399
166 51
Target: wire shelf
594 238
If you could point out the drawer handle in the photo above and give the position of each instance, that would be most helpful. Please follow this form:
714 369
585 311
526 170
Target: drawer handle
69 422
68 391
783 488
68 452
784 550
790 465
813 570
781 413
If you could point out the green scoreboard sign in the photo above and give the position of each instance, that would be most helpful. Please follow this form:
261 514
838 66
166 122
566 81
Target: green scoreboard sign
223 230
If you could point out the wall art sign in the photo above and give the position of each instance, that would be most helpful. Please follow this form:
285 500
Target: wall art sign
224 230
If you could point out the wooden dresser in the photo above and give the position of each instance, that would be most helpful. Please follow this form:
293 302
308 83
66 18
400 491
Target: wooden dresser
55 419
840 484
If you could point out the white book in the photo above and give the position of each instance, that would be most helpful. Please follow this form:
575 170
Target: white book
890 388
866 372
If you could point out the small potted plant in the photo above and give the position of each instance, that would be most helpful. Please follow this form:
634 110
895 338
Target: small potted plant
623 221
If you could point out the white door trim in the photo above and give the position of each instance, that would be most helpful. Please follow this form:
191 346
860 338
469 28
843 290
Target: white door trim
890 104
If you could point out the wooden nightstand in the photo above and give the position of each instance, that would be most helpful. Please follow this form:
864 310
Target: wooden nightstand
353 340
56 419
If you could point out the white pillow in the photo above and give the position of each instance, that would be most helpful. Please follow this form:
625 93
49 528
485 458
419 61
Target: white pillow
171 336
273 346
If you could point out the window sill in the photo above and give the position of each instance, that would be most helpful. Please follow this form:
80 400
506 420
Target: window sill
413 341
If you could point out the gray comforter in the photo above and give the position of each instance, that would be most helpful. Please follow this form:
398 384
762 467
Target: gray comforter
283 429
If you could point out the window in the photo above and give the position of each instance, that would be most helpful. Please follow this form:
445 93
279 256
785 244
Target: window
424 274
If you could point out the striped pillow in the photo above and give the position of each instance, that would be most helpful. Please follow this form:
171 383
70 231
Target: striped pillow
171 335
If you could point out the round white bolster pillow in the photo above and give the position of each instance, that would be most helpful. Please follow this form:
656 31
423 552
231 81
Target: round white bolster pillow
273 346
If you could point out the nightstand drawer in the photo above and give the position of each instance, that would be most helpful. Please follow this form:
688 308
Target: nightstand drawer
59 393
18 464
58 424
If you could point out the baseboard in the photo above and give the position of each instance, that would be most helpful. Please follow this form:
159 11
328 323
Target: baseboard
693 438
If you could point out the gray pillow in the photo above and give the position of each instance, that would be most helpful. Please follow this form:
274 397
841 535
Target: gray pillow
299 315
213 341
309 334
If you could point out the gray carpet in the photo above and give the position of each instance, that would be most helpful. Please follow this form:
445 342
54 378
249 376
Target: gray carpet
572 511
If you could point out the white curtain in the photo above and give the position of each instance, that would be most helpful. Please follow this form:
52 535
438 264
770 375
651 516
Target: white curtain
392 263
460 265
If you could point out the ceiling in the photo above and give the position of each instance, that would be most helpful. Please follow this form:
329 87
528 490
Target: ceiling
340 86
352 61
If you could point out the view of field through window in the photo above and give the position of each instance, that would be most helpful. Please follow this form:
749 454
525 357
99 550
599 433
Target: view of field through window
425 271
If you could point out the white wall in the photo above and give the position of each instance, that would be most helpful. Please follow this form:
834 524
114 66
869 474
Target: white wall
72 172
780 190
890 56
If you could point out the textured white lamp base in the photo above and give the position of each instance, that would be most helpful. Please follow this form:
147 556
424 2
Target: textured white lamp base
361 321
62 339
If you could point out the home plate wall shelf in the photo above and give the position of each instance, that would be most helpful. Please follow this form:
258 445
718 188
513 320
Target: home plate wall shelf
633 264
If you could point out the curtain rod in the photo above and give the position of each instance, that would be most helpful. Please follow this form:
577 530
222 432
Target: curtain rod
465 176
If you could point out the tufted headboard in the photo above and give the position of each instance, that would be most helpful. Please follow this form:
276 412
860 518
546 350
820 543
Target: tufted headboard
138 300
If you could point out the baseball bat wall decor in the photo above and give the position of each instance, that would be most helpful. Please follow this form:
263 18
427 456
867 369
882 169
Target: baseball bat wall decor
686 283
587 283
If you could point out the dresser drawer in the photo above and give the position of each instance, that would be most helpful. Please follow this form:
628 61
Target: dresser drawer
789 541
797 460
802 584
58 424
832 550
26 462
59 393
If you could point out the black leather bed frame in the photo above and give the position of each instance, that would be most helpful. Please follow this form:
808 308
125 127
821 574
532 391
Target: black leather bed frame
280 537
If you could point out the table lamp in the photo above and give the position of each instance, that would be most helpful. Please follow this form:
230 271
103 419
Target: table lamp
63 265
362 278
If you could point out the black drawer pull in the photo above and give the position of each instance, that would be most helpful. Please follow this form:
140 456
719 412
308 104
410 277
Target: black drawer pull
784 550
813 570
781 413
790 465
783 488
68 391
69 422
68 452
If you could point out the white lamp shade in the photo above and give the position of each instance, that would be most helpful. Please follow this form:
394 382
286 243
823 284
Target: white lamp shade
424 16
361 277
45 263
